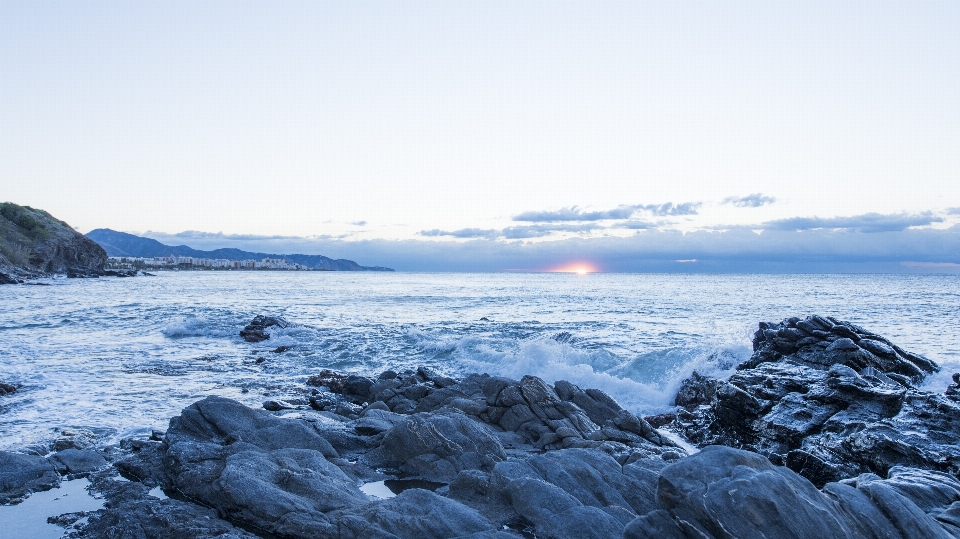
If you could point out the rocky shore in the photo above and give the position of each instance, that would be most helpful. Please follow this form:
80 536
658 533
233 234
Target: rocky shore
823 433
35 244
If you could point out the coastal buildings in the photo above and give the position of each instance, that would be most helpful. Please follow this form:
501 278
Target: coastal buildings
198 263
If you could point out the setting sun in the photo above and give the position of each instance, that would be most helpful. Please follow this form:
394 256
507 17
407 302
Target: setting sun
580 268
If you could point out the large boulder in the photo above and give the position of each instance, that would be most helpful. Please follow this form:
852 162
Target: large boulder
22 474
830 400
256 468
436 447
726 493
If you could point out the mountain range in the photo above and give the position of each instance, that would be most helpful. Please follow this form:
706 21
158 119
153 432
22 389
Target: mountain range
124 244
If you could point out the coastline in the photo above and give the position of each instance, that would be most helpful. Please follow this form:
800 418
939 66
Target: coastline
488 456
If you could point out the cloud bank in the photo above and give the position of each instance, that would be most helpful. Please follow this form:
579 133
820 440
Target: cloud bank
868 223
860 245
574 213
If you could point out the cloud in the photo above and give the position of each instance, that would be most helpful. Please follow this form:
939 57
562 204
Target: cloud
359 223
869 222
510 233
754 200
953 211
462 233
198 235
574 213
668 209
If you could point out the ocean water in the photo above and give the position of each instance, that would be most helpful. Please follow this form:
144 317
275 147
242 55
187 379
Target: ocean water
119 357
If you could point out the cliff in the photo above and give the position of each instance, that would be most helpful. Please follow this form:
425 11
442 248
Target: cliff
34 243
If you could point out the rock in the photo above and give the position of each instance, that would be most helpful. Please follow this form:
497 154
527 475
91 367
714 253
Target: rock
830 400
436 447
78 461
255 331
7 389
333 381
276 406
414 513
222 421
130 512
33 243
696 391
74 439
723 492
356 389
22 474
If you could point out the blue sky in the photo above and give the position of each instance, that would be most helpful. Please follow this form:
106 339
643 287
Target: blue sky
748 136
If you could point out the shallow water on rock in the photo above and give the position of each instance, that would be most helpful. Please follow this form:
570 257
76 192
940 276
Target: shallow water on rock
119 357
28 520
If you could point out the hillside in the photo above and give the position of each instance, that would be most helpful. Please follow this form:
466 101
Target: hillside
34 243
123 244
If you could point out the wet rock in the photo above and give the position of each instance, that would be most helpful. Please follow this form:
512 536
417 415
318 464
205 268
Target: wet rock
276 406
356 389
7 389
333 381
696 391
255 331
830 400
78 461
131 513
74 439
22 474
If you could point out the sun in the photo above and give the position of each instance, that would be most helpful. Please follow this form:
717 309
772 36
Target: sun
578 268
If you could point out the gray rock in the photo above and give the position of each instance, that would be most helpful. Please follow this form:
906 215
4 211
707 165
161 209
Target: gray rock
78 461
22 474
225 421
414 513
437 446
830 400
725 493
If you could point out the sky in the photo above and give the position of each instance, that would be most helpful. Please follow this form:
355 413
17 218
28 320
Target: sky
491 136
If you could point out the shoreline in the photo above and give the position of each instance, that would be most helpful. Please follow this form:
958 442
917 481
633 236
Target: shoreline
488 456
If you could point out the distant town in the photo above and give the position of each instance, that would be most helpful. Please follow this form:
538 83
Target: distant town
192 263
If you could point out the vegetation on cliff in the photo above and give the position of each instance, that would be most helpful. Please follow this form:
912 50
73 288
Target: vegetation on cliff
35 243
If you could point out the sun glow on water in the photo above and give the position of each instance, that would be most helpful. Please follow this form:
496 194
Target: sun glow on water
579 268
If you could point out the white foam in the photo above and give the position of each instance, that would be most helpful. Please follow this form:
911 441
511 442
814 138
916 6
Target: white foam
196 327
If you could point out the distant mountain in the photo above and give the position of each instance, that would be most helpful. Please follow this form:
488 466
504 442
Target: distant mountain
123 244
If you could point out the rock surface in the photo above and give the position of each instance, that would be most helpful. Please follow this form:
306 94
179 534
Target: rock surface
723 493
255 331
33 243
22 474
828 399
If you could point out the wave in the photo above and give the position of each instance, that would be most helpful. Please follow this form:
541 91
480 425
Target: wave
643 384
197 327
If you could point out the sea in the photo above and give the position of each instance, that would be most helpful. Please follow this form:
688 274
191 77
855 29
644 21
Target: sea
118 357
